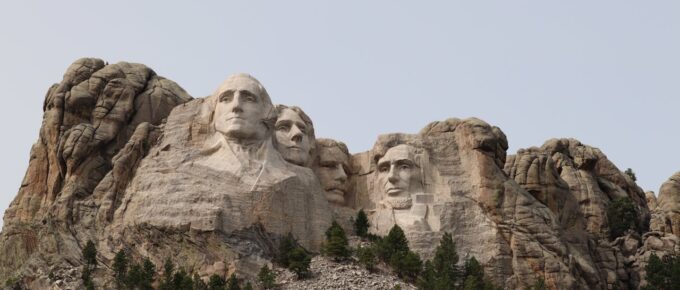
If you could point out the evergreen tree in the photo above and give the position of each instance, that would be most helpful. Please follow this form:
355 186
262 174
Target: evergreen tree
266 277
394 242
474 275
663 273
87 277
168 271
120 266
444 263
248 286
182 281
216 282
407 265
148 272
336 245
232 283
622 215
427 278
198 283
361 224
90 254
299 262
286 245
366 257
631 174
134 276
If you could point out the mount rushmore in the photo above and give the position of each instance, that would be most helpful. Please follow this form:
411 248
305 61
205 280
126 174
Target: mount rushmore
129 160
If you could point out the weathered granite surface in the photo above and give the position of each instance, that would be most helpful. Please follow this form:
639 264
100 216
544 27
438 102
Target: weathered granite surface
128 159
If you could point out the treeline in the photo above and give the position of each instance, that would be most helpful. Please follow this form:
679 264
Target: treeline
131 275
441 273
662 273
391 252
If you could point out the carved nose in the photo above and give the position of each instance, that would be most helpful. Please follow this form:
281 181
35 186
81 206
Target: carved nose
236 105
296 134
392 175
340 175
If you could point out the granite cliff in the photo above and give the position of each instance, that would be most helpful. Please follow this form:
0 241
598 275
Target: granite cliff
129 160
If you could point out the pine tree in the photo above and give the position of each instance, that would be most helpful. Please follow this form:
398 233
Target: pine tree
90 253
168 271
394 242
444 263
182 281
366 257
148 272
655 273
336 245
90 256
631 174
407 265
286 245
266 277
622 215
120 266
232 283
299 262
474 275
216 282
427 278
248 286
361 224
134 276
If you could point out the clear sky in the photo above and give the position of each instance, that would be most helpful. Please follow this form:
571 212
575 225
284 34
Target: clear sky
604 72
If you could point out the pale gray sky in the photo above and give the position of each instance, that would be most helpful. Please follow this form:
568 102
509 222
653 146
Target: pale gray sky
604 72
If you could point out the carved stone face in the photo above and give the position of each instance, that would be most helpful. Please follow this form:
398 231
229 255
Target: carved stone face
241 109
291 137
332 172
397 171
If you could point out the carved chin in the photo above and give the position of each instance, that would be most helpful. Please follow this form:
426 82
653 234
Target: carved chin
295 157
241 132
335 197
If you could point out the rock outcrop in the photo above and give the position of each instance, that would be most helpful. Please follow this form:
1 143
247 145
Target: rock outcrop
129 160
98 122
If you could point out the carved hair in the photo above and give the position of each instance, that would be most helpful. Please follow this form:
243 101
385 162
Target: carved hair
308 121
330 143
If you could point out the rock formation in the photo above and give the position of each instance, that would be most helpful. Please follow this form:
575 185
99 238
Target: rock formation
129 160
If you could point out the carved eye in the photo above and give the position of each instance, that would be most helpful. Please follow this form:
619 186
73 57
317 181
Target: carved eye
384 168
404 167
282 127
227 97
251 98
303 129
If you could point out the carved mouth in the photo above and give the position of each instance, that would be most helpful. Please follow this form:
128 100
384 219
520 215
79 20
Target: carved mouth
336 190
394 190
235 117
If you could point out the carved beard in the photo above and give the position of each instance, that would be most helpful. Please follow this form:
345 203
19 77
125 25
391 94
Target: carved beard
399 202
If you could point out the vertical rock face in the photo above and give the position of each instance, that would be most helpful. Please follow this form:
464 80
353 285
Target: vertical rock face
577 182
668 206
461 189
97 123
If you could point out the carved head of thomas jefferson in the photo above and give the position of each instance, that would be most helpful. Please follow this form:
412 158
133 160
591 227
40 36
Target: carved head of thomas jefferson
294 132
